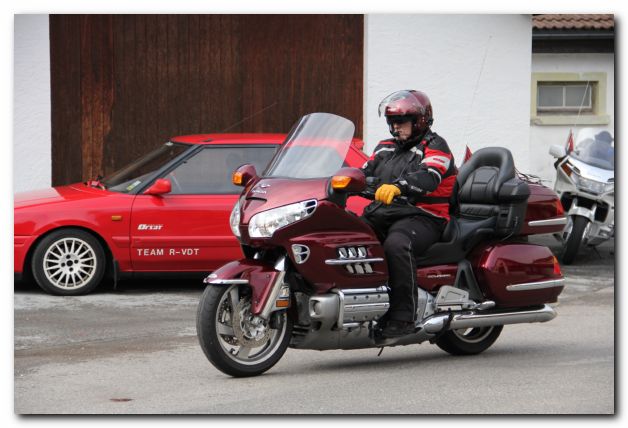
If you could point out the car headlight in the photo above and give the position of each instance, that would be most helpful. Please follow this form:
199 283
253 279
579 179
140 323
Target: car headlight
264 224
592 186
234 219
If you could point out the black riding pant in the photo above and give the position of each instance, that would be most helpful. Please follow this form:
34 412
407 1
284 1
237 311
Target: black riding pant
406 239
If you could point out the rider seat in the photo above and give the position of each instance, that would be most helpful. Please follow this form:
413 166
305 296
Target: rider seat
490 201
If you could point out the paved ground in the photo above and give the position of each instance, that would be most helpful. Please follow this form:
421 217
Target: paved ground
135 351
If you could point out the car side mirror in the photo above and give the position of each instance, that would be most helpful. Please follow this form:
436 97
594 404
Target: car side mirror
160 186
243 175
348 180
557 151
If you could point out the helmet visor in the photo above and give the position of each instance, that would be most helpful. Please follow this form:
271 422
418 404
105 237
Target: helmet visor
399 103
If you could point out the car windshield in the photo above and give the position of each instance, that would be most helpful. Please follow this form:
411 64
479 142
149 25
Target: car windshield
139 171
316 147
595 149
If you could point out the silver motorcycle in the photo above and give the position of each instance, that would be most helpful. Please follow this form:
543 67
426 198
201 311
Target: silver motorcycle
585 182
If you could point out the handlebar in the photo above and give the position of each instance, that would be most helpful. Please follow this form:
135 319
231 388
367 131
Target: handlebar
372 183
370 194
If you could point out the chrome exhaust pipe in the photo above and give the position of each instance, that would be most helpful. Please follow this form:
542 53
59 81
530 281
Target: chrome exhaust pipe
480 319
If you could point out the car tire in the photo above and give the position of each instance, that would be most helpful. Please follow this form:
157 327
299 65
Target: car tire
69 262
470 341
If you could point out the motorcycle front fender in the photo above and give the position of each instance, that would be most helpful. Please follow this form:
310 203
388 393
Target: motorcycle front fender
581 211
261 277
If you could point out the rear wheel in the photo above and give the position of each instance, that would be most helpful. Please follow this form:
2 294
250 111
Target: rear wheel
68 262
233 340
573 235
469 341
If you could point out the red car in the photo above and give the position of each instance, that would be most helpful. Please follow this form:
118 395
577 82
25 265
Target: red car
166 212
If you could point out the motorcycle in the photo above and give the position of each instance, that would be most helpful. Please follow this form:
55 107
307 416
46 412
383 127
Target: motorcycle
585 181
314 274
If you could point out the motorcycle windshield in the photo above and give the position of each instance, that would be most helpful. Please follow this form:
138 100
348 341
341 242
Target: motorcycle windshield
316 147
595 149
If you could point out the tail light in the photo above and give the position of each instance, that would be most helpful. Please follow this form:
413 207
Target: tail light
557 271
560 211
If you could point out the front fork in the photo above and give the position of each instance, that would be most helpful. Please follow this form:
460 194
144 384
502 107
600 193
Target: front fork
269 291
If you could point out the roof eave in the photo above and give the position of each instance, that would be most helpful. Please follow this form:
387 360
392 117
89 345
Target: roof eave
547 34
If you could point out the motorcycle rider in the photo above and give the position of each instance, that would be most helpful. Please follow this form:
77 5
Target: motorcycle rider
417 164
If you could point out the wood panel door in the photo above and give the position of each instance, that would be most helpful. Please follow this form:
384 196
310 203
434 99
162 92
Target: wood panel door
122 84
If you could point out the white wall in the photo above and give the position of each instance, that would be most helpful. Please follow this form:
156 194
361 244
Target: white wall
31 103
543 136
442 55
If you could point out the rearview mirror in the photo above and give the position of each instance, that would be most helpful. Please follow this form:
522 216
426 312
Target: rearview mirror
243 175
159 187
557 151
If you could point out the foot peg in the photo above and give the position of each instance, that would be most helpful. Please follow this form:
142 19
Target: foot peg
483 306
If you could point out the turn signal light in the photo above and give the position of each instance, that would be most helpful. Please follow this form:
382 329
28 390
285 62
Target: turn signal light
340 181
282 303
237 178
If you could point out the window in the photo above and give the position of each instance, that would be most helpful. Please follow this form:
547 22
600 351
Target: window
209 171
568 99
555 97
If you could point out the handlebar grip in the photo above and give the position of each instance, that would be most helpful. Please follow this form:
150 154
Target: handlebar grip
371 195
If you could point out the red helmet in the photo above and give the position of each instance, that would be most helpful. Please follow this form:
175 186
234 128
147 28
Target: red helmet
407 105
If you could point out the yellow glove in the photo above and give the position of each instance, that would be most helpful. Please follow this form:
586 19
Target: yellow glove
386 192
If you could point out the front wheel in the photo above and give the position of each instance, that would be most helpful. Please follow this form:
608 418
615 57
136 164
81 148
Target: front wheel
573 235
233 340
469 341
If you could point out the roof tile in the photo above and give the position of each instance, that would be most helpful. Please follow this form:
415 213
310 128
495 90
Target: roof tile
573 22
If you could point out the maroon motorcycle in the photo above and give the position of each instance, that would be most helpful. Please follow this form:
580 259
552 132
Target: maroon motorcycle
314 275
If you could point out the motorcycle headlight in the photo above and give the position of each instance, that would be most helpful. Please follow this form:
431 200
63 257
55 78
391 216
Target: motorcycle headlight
264 224
588 185
234 220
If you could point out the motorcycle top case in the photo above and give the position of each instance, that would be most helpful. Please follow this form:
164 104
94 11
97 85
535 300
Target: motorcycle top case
517 275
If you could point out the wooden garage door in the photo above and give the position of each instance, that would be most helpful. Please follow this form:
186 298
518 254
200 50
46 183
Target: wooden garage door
122 84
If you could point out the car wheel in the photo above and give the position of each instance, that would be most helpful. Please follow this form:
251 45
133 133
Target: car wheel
68 262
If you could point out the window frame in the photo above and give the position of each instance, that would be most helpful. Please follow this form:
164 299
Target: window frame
596 115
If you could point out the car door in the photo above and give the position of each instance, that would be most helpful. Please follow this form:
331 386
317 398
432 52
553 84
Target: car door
188 228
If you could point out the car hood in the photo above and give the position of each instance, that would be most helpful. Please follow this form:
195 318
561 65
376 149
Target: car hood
52 195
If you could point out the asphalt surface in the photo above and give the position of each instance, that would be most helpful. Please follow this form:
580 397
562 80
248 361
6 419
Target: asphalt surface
135 351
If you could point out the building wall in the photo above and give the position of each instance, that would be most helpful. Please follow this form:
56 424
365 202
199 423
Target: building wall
475 68
451 57
31 103
543 136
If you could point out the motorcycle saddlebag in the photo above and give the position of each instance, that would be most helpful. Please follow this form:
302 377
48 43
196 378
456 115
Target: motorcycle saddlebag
517 274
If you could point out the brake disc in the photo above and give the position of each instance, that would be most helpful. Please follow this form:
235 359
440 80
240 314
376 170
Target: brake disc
248 334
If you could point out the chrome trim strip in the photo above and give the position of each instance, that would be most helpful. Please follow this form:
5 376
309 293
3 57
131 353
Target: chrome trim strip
336 262
380 289
370 306
228 281
536 285
551 222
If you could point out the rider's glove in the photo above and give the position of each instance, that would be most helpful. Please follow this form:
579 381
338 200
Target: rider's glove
386 193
